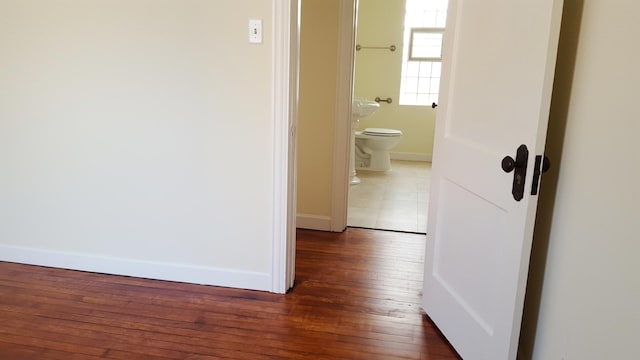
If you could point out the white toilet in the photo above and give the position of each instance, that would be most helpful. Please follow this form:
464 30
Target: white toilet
372 146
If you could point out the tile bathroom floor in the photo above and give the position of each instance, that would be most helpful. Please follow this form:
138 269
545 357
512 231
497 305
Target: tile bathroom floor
397 200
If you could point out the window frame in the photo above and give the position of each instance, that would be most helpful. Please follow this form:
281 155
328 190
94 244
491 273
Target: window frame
422 30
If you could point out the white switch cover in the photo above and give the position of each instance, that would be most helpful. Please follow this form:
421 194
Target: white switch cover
255 31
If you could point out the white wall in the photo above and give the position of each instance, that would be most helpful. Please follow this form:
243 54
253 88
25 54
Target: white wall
317 111
587 258
136 136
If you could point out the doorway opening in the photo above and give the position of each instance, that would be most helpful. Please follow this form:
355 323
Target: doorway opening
397 58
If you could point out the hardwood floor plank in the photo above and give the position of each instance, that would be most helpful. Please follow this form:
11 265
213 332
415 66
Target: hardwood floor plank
357 296
10 351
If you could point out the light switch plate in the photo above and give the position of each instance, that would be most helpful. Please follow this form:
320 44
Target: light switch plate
255 31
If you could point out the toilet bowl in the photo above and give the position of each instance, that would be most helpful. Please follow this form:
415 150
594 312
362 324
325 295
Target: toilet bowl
372 146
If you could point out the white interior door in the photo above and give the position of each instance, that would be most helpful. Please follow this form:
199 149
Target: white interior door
498 66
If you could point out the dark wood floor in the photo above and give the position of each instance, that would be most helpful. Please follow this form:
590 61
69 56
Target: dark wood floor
357 296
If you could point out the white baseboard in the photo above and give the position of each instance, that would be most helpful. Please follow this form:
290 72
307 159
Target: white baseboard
137 268
411 156
313 222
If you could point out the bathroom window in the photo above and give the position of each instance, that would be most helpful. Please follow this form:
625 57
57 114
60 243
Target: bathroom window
425 44
424 25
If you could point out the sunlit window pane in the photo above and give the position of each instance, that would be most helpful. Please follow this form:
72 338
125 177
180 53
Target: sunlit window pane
425 68
436 69
434 86
422 99
420 81
411 85
441 18
413 69
424 86
425 44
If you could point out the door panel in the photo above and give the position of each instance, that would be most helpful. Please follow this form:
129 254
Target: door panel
498 64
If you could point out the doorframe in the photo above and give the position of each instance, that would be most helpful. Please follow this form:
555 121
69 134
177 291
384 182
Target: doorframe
344 93
286 61
284 100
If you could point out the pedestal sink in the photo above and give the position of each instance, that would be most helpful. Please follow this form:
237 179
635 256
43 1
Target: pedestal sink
359 109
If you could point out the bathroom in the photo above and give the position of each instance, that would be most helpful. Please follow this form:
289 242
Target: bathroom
394 200
378 73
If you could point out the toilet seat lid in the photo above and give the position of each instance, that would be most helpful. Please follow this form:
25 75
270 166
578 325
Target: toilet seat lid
382 132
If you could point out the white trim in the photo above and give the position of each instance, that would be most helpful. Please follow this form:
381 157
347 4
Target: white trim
144 269
293 22
313 222
285 93
344 94
411 156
